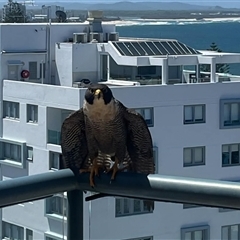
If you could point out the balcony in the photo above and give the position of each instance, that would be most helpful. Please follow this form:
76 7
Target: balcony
155 187
54 137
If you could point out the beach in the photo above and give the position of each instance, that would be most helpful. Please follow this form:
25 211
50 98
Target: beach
139 21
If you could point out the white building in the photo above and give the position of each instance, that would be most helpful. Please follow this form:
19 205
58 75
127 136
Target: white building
194 121
50 11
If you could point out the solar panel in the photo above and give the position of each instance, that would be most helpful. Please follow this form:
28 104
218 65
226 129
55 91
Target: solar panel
139 48
153 48
161 48
132 49
146 48
174 46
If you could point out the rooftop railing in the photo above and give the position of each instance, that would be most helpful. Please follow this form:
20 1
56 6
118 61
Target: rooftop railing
204 192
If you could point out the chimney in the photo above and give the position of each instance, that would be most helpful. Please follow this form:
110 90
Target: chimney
95 21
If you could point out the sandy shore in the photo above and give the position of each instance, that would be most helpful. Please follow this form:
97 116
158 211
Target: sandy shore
130 22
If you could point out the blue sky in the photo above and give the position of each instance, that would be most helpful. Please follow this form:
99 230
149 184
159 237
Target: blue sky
223 3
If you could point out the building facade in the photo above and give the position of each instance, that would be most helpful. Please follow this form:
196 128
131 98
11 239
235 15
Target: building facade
194 119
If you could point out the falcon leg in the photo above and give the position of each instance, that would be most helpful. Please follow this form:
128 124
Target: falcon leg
93 172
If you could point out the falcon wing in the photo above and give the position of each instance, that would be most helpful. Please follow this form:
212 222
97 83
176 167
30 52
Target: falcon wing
73 141
139 145
139 142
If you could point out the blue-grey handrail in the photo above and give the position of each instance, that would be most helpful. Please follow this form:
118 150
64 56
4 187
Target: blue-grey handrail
204 192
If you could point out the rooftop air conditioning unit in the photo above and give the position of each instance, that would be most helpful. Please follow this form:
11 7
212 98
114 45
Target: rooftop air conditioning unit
80 37
96 36
113 36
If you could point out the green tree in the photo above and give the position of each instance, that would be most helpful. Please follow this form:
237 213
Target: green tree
220 68
15 13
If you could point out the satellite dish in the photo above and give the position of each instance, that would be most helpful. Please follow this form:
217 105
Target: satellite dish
61 16
85 81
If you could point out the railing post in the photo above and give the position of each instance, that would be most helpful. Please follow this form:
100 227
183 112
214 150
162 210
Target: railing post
75 215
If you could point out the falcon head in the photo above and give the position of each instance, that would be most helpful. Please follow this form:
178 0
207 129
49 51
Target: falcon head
98 93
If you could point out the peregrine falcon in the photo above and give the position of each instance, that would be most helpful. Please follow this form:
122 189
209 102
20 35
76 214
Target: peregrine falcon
105 129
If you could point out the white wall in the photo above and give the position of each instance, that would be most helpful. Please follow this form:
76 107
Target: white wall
25 59
169 134
85 61
64 64
17 37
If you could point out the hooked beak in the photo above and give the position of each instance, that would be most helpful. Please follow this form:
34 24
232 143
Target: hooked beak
97 92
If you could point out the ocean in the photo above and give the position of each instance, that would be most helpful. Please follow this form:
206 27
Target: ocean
196 34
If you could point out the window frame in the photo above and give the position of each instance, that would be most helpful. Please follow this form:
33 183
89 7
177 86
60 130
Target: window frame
51 153
12 106
12 162
11 225
230 155
205 228
229 232
193 163
222 103
193 121
29 148
141 111
130 200
27 231
32 113
55 215
35 72
130 204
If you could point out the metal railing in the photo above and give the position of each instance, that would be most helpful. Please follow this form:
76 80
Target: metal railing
155 187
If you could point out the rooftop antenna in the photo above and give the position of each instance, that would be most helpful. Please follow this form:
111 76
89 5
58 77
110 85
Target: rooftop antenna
61 16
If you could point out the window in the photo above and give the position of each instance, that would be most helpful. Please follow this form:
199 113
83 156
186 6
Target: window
56 206
11 231
32 113
10 110
54 236
29 153
50 238
147 114
230 113
54 137
127 206
29 234
194 114
33 70
54 161
195 233
12 153
42 70
231 232
193 156
146 70
230 154
141 238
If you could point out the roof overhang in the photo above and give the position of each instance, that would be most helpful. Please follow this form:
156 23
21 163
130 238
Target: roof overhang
205 57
